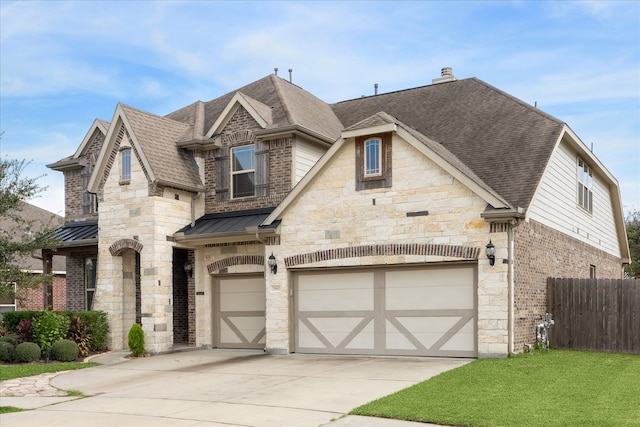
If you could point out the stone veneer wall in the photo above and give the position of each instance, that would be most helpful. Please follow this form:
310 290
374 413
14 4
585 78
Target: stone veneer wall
128 212
541 252
332 214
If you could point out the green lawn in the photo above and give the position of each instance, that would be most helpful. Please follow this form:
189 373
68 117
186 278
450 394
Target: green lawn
559 388
8 372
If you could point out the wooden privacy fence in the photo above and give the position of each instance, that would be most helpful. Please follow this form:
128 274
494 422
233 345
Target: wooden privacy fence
595 314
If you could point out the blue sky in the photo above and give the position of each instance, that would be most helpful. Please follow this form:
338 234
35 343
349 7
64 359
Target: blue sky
65 63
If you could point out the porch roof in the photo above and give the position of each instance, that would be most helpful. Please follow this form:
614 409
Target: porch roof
226 224
77 233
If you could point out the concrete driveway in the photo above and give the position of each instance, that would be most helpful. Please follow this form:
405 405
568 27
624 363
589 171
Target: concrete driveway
227 388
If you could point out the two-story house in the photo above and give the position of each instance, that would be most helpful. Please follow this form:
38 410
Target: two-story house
269 219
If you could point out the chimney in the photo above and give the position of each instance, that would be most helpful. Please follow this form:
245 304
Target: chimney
446 76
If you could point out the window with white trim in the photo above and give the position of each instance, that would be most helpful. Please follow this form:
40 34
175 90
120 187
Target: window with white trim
372 157
125 165
243 171
90 270
585 186
8 302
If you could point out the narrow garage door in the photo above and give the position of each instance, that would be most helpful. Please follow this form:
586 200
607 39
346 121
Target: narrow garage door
426 311
239 312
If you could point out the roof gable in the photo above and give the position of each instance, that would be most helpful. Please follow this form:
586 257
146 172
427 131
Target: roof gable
260 112
75 161
383 122
154 139
504 141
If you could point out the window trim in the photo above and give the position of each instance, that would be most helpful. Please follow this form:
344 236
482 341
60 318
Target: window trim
365 154
234 173
370 181
125 178
15 300
584 189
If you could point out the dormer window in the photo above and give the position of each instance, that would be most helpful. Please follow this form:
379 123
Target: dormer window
125 165
373 161
243 171
372 157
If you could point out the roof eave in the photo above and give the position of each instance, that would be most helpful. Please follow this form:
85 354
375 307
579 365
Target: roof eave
250 234
283 131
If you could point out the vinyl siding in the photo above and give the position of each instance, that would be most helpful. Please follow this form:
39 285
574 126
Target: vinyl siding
305 156
555 204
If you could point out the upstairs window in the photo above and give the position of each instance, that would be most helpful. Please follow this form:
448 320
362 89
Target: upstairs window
125 165
372 157
373 162
585 186
243 171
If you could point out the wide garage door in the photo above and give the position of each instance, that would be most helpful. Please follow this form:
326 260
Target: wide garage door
239 312
417 311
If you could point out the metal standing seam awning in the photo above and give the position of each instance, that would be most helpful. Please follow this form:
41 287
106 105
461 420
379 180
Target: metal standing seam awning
77 233
228 226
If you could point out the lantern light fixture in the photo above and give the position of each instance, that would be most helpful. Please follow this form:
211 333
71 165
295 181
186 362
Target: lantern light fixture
491 253
273 265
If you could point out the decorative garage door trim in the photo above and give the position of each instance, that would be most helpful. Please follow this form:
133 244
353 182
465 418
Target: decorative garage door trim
463 252
410 311
235 260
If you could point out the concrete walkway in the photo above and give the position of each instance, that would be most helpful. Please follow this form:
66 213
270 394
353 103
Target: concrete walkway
216 388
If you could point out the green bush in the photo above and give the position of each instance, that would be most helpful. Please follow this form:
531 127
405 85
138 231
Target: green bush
6 351
13 339
11 319
64 351
98 325
49 328
26 352
79 334
136 340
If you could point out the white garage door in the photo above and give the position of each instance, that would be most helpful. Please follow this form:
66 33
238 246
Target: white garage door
392 311
239 312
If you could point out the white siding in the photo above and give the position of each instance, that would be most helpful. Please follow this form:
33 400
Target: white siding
555 204
305 156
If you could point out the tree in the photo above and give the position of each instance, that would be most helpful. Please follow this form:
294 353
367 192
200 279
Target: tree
632 222
17 236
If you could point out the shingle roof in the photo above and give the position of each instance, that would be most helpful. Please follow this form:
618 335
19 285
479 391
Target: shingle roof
289 105
504 141
157 137
38 220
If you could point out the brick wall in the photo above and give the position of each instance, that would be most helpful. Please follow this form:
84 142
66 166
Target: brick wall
73 185
280 172
33 299
541 252
75 281
180 298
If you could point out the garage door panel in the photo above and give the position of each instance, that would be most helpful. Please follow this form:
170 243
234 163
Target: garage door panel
240 312
326 292
413 311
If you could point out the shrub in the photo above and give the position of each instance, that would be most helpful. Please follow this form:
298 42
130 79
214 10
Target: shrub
79 333
98 325
64 351
136 340
49 328
26 352
25 330
11 319
6 351
11 339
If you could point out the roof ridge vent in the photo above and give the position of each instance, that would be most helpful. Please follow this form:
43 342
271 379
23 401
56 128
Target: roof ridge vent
446 76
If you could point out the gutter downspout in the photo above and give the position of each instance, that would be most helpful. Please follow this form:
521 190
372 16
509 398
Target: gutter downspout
193 207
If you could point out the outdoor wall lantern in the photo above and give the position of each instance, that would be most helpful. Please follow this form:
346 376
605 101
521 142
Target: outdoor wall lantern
491 253
188 269
273 265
